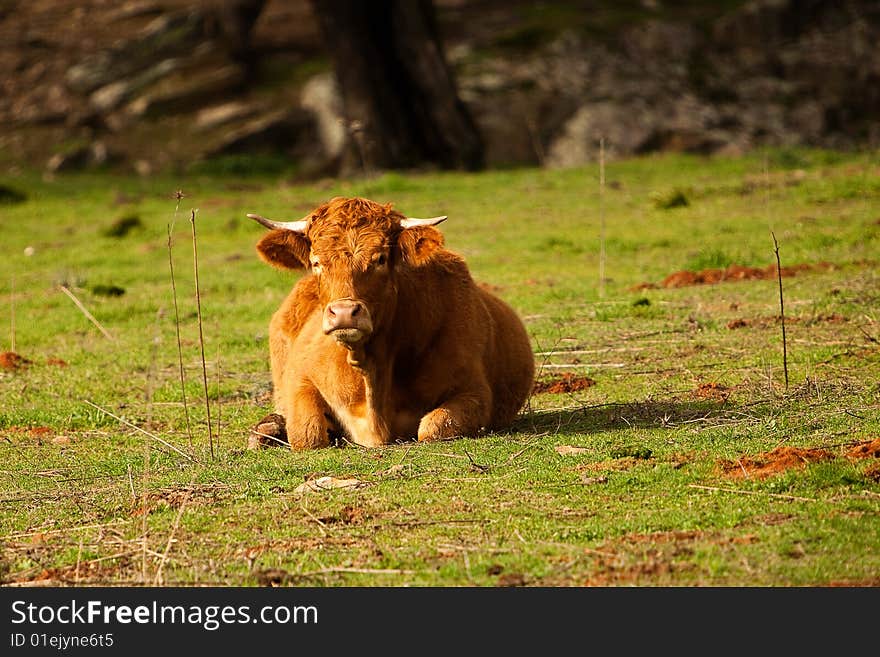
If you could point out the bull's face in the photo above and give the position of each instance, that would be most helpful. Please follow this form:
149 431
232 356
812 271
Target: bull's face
357 249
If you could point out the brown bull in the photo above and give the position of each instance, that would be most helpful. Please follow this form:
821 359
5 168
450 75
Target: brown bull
388 338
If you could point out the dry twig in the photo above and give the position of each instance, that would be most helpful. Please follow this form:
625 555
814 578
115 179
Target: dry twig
753 492
601 217
157 580
177 328
85 311
192 221
781 309
137 428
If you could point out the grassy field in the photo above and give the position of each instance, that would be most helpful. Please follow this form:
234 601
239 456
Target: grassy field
662 446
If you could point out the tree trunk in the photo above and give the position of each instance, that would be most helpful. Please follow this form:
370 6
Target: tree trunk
398 92
237 18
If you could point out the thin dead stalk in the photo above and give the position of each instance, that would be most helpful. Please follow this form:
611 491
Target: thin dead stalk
137 428
151 371
219 408
177 328
85 311
63 530
781 309
601 217
752 492
12 311
192 221
317 520
272 438
131 484
158 578
362 571
78 559
145 478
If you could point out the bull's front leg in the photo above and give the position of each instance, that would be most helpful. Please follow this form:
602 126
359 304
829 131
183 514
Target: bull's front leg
464 414
308 420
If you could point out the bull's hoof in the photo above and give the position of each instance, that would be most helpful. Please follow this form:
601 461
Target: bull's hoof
268 432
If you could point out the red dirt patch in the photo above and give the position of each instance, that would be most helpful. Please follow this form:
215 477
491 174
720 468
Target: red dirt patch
866 450
714 391
9 360
761 322
348 515
833 318
686 278
773 462
564 383
57 362
40 435
872 472
655 565
665 537
874 582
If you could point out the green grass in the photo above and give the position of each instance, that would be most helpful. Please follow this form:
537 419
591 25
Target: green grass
686 379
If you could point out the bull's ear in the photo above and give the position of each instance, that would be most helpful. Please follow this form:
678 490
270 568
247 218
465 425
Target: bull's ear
419 244
286 249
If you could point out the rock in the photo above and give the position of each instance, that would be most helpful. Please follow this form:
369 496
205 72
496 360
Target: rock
807 120
625 129
134 9
165 37
143 168
112 95
662 43
99 154
760 22
511 137
175 96
320 96
81 157
282 131
72 160
218 115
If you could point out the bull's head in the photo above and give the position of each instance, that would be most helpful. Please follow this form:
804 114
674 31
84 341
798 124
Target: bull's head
358 249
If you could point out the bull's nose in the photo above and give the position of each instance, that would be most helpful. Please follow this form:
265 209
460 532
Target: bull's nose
343 314
347 320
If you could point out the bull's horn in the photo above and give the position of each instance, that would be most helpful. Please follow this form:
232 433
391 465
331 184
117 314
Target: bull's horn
412 222
295 226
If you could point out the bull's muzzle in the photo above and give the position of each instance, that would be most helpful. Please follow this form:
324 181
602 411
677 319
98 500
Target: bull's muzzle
347 320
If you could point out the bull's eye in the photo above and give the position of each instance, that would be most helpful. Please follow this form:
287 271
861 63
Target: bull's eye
381 259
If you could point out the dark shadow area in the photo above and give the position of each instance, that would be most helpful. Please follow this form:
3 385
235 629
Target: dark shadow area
643 414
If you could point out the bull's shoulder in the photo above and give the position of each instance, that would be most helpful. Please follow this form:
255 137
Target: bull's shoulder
448 266
299 305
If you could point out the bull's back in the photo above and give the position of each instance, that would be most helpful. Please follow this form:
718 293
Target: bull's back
510 362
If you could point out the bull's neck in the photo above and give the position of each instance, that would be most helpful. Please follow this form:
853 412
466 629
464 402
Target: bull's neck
373 362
